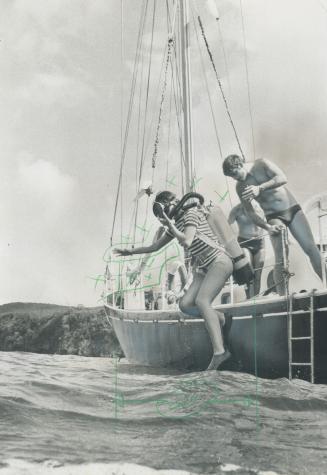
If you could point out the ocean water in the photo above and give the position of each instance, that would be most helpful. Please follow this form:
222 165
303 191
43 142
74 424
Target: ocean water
75 415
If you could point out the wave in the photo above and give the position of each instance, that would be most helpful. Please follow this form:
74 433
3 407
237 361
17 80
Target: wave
83 412
19 467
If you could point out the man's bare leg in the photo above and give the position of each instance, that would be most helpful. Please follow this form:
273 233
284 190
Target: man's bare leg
278 247
301 230
258 263
249 288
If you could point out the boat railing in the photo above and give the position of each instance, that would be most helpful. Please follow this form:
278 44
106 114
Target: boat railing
136 288
321 214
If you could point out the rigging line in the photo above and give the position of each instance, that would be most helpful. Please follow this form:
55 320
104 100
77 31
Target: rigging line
176 106
207 89
139 122
169 128
149 138
180 134
221 88
163 94
148 82
135 69
143 154
177 89
147 209
121 102
247 80
174 95
211 106
178 111
224 52
129 113
157 95
180 108
170 92
172 22
149 135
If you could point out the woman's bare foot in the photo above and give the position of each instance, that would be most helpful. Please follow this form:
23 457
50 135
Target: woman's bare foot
217 359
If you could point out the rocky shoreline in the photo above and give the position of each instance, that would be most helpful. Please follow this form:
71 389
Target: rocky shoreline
54 329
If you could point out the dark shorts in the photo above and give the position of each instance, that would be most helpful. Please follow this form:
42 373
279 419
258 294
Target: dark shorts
253 245
286 216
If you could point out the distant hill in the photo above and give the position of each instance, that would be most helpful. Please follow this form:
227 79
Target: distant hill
37 308
49 328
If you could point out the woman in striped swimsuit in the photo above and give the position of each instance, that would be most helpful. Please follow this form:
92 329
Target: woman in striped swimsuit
212 268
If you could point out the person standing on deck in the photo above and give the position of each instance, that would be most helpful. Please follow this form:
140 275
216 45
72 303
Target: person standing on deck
250 238
265 182
213 267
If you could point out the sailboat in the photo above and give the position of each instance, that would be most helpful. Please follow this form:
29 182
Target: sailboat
272 336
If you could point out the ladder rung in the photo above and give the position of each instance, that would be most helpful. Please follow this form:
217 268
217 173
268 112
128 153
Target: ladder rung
301 338
295 313
301 364
321 309
300 312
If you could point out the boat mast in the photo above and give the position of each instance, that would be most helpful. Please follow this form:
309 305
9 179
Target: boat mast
187 99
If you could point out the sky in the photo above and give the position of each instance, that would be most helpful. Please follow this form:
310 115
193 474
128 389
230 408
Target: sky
66 72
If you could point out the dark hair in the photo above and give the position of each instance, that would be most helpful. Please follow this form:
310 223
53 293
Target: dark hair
231 162
164 196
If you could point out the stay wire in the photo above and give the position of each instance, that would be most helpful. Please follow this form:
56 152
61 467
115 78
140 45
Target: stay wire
143 154
139 122
163 95
211 106
224 52
248 81
169 27
129 113
221 88
148 82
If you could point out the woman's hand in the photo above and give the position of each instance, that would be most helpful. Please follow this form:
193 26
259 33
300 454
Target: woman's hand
122 252
164 219
133 275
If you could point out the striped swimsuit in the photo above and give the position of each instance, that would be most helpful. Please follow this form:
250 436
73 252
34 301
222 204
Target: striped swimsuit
203 253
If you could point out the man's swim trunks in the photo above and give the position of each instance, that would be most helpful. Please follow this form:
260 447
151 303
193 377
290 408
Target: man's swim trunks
286 216
253 245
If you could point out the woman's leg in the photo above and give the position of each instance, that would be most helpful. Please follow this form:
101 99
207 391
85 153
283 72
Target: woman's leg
217 274
187 302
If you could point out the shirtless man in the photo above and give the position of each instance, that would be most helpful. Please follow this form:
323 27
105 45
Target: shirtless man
264 182
250 238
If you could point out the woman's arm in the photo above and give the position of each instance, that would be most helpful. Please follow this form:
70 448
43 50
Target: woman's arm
185 238
155 246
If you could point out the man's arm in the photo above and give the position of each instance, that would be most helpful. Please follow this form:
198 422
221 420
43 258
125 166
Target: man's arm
276 179
276 175
256 218
232 215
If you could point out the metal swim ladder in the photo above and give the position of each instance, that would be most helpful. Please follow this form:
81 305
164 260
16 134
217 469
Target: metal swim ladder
291 338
